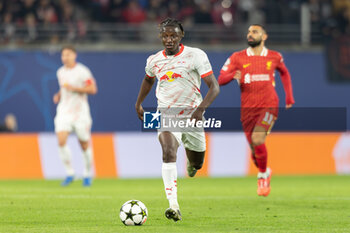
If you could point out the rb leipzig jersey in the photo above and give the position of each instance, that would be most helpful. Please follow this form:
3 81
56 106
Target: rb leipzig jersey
179 77
73 106
257 82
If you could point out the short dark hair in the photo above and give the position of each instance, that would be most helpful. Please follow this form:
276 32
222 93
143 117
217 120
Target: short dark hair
171 22
69 47
259 25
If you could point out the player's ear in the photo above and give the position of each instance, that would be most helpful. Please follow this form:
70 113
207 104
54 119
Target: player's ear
75 55
160 34
265 36
161 29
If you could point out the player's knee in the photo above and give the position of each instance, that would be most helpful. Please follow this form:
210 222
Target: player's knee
169 154
258 139
61 143
84 145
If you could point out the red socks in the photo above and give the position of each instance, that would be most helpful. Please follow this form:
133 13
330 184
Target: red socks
260 157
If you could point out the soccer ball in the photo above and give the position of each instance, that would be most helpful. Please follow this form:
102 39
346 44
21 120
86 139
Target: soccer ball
133 212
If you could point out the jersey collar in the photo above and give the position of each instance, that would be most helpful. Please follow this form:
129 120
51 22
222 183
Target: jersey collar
250 52
180 51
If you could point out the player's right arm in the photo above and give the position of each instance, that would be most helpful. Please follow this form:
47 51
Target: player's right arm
146 87
228 71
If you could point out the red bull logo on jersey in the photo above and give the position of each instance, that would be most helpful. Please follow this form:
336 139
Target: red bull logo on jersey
170 76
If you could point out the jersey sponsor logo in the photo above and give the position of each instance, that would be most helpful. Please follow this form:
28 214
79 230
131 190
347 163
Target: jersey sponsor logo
248 78
268 65
246 65
260 77
170 76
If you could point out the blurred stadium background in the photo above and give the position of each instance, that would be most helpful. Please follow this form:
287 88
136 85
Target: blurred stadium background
114 38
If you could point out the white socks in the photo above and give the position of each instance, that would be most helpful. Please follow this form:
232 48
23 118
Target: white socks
66 158
265 174
87 157
169 174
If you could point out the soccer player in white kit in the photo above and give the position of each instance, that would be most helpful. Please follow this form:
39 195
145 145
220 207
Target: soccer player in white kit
73 112
179 70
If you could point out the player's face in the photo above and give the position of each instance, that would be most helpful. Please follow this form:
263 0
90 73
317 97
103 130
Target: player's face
171 37
255 36
68 57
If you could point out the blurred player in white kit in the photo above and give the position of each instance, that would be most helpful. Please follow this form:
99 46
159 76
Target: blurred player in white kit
73 112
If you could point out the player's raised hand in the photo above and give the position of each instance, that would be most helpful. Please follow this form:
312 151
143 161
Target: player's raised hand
288 106
139 111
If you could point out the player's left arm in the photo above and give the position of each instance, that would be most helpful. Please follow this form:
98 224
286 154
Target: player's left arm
204 69
212 93
287 83
89 88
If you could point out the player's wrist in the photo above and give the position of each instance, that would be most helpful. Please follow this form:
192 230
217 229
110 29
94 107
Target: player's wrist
138 105
200 109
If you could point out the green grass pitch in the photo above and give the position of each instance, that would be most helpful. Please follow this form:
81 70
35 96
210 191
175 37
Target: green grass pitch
296 204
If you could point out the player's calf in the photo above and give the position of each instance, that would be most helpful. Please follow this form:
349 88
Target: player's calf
191 171
193 168
195 161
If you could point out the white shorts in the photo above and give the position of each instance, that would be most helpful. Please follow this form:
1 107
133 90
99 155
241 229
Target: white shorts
194 141
82 128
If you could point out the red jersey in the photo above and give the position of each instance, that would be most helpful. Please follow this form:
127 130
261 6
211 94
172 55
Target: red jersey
257 82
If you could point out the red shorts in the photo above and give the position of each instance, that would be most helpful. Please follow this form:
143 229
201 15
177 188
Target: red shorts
264 117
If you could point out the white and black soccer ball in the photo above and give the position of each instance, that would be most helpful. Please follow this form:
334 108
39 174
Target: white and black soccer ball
133 212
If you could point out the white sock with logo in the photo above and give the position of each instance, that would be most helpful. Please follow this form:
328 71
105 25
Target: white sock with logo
169 174
87 157
66 157
265 174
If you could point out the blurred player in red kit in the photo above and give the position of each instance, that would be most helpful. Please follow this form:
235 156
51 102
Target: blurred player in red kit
254 69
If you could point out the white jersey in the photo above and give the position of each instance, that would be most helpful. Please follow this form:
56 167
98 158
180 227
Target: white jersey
73 106
179 77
